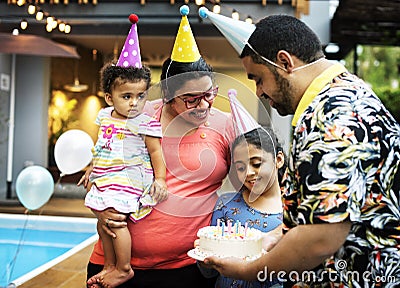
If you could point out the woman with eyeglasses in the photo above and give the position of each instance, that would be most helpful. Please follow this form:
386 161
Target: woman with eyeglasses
195 144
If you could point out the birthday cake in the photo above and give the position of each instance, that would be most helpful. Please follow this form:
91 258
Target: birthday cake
229 241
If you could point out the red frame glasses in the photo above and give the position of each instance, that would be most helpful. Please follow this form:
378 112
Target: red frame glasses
192 101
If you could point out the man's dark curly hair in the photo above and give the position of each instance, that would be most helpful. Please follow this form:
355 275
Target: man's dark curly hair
283 32
112 75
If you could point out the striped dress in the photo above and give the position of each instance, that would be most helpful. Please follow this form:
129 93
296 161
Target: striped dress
122 174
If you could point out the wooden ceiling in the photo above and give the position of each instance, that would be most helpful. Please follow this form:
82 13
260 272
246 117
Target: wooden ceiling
367 22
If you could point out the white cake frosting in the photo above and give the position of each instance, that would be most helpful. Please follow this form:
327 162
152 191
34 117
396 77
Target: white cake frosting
236 241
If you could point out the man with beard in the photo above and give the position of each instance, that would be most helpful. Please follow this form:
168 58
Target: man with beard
341 195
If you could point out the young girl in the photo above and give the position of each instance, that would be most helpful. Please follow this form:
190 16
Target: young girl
128 170
259 162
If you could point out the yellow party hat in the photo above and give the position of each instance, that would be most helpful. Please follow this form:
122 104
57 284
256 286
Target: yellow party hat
185 48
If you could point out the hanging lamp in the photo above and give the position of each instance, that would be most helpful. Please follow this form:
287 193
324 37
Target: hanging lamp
76 86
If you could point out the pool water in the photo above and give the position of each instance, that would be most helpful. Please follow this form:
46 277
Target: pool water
28 243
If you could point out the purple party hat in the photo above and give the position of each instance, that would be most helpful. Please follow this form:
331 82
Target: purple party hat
130 54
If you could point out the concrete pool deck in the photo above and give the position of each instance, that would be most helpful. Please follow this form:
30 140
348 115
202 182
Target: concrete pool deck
72 271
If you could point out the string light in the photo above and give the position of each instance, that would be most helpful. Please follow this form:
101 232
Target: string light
249 20
217 9
49 28
61 26
54 24
24 24
49 19
235 15
67 29
31 9
51 22
39 15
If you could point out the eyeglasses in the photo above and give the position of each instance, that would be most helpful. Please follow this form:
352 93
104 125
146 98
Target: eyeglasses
192 101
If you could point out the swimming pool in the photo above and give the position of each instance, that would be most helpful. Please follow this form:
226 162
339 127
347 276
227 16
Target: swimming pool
31 244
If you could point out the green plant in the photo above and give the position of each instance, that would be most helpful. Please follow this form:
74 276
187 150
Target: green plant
380 67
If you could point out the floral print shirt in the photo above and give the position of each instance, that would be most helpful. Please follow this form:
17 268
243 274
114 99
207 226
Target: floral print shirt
344 166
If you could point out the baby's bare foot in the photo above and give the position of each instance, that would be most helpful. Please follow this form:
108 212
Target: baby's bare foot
115 278
93 282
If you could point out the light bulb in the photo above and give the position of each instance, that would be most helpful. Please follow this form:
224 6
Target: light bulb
31 9
24 24
49 27
67 29
249 20
54 24
217 9
235 15
61 27
39 15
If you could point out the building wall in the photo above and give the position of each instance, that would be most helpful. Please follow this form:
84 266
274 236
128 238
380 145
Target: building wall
32 86
5 71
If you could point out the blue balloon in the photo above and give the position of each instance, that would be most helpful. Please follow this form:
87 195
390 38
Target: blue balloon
34 187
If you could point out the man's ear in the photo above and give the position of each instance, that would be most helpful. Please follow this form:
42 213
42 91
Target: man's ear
284 59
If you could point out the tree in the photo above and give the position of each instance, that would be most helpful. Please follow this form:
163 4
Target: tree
379 66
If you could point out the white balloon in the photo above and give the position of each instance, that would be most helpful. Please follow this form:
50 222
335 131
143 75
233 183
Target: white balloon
73 151
34 187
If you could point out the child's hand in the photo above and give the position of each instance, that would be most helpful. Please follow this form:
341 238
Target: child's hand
85 179
159 190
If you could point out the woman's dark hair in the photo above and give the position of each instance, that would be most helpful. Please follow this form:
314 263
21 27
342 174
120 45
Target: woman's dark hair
283 32
264 138
111 75
186 72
